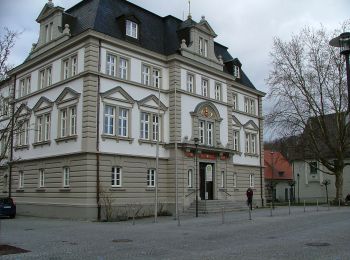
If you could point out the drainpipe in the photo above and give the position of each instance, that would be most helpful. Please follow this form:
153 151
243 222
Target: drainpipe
261 166
12 111
98 136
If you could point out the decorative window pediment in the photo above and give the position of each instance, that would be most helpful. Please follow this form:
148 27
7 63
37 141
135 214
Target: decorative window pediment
236 122
43 104
67 95
23 111
204 26
250 125
48 10
118 94
152 102
207 110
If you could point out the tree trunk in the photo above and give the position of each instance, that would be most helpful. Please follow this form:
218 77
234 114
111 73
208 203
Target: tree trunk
339 185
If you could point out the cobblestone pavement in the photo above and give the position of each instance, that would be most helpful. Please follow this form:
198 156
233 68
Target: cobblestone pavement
323 234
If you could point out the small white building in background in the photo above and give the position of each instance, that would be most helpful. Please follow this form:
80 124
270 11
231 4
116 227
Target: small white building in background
105 80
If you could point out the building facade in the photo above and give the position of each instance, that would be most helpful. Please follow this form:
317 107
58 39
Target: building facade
112 92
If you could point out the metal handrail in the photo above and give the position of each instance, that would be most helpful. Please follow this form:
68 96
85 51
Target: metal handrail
190 193
224 191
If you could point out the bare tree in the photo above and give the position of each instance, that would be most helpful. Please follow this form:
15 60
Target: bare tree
308 86
7 41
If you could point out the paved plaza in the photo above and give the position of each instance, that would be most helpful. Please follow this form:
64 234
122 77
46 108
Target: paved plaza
322 234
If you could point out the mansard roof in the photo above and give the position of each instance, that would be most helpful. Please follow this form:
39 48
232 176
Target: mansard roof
158 34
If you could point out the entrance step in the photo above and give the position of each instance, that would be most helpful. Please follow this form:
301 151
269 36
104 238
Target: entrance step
215 206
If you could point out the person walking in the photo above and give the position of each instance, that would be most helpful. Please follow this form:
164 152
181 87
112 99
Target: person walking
250 198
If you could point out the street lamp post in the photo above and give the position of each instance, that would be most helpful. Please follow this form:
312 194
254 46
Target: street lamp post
298 175
292 189
196 140
343 42
272 188
326 183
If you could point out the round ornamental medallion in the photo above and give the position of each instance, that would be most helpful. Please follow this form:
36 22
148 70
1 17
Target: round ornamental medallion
206 112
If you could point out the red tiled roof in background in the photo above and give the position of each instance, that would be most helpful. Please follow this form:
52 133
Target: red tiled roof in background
280 164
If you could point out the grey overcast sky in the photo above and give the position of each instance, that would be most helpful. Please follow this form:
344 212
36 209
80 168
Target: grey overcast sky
246 27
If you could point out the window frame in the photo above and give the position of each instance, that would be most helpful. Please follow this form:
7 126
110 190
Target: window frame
41 178
151 178
116 178
218 91
251 180
66 177
190 178
190 86
20 180
68 120
205 87
236 140
131 31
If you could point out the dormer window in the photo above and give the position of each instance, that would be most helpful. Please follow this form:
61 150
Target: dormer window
203 47
48 32
131 29
236 72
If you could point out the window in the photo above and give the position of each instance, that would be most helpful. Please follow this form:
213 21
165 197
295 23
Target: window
189 178
131 29
155 128
109 119
205 84
203 47
206 130
251 180
66 177
218 91
235 180
236 72
48 32
190 83
68 121
205 53
222 179
43 127
151 178
23 133
70 66
111 65
146 75
251 142
151 76
236 141
235 101
4 106
313 167
116 177
144 126
4 145
20 180
156 78
45 78
123 122
24 86
280 174
41 178
123 68
249 106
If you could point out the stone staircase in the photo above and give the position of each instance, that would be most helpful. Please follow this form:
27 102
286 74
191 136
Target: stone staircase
215 206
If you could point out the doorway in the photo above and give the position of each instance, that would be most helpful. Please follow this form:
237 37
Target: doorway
206 180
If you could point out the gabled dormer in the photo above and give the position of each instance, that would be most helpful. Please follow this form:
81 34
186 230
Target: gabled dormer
197 42
54 28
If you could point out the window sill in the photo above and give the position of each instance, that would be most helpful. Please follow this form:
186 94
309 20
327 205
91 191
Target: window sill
237 152
42 143
64 190
21 147
117 138
251 154
151 189
143 141
40 190
66 139
20 190
117 189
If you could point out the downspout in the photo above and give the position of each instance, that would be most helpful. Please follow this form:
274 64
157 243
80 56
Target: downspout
260 149
11 135
98 136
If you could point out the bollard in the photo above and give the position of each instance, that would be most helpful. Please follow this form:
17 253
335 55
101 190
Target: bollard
250 213
304 206
223 215
317 205
289 206
270 209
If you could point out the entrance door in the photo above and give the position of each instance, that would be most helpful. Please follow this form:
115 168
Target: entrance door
206 175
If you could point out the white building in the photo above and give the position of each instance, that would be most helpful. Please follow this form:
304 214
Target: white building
88 98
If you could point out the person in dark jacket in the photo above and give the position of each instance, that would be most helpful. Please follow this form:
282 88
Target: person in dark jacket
250 198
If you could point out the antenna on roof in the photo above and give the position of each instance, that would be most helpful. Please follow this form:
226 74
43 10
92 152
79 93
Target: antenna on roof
189 10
